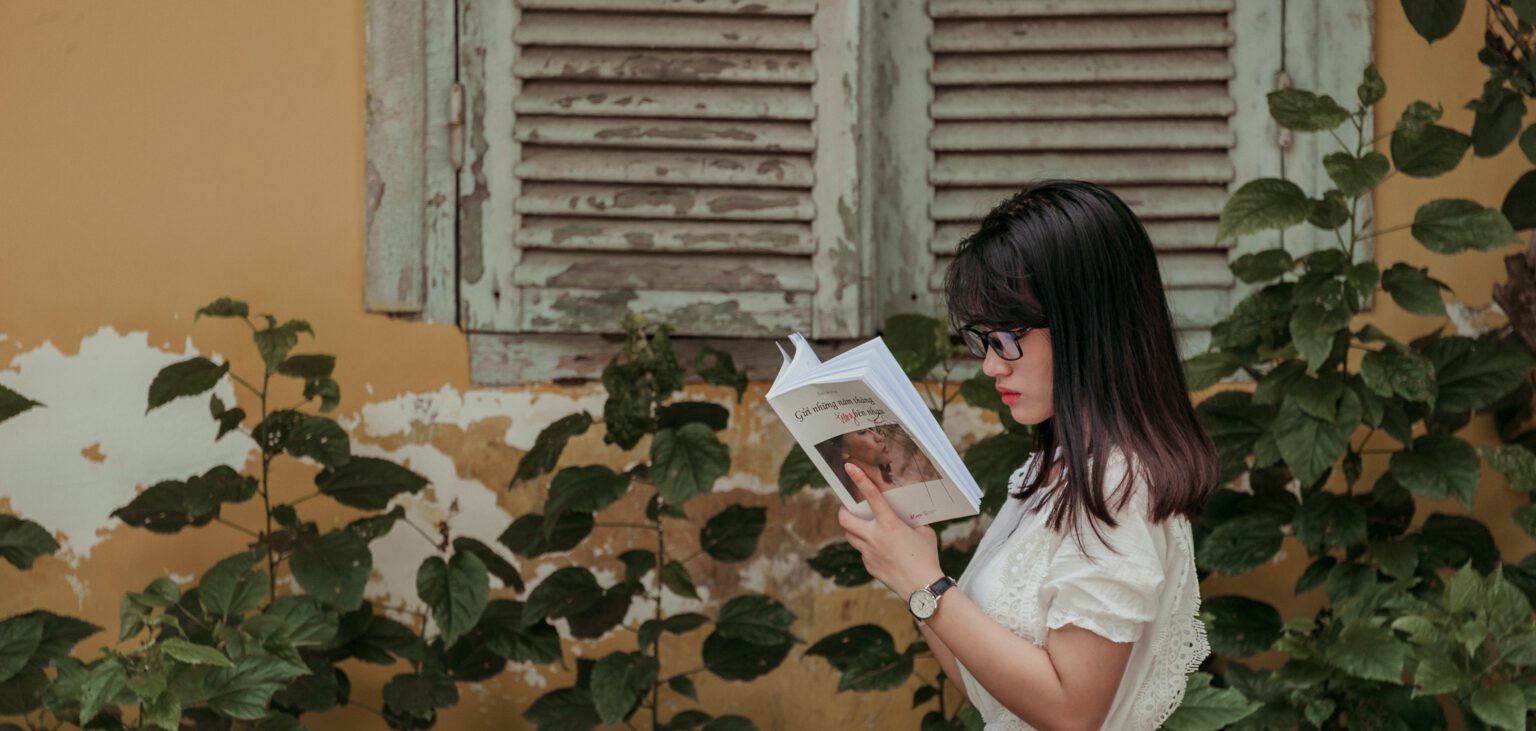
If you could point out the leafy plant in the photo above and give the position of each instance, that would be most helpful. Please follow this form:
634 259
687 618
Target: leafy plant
1318 382
749 635
21 540
236 649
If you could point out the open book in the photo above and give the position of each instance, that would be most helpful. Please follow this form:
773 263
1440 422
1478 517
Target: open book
861 407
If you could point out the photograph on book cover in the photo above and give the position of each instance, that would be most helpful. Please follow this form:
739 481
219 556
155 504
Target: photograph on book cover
845 422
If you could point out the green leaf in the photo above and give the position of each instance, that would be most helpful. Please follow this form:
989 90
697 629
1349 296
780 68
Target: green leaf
308 366
1452 225
1206 709
637 563
1240 545
1501 705
1319 397
12 403
1314 327
194 654
231 588
675 415
19 639
1329 212
1356 175
327 389
992 459
1423 150
373 527
494 563
1464 590
618 681
167 507
1516 463
683 685
717 368
732 534
245 690
334 569
223 307
1263 204
1434 19
277 721
737 659
1240 625
1525 10
1528 143
755 618
842 563
103 682
1393 372
1438 466
526 536
1497 121
1473 374
60 635
274 341
549 444
306 621
319 439
675 577
1304 111
187 378
455 590
565 709
507 635
420 695
1327 520
1414 290
22 541
1372 86
1234 423
686 462
1207 369
866 657
1311 445
798 472
1452 540
1262 266
917 341
561 594
368 483
980 391
1368 652
730 723
1517 202
583 490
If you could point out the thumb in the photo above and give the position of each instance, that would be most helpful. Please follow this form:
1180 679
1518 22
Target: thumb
867 488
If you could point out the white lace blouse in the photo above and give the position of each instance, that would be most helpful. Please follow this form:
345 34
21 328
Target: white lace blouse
1033 580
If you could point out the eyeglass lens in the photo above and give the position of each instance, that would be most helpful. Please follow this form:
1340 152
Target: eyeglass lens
1004 342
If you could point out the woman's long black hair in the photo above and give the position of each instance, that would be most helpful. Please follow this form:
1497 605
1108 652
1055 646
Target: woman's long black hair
1071 256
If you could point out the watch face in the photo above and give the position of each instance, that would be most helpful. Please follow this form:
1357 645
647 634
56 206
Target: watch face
922 603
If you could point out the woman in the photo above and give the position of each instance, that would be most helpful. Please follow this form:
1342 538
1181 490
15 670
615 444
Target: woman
1079 608
909 466
863 448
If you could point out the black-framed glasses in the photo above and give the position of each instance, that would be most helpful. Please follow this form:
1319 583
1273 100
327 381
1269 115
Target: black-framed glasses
1003 342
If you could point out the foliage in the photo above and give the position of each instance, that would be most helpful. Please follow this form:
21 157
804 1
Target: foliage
238 648
1394 606
866 656
748 636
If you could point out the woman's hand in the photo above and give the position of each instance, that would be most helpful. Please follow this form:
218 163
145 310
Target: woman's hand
903 558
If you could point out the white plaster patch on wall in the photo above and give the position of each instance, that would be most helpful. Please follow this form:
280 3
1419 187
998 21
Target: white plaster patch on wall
529 411
533 675
398 555
778 568
81 589
97 397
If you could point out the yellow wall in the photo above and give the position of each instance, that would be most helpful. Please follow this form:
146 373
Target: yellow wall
157 154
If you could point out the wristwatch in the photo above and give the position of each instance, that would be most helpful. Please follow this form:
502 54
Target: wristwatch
925 601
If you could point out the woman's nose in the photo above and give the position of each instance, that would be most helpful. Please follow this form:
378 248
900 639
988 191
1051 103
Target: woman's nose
993 364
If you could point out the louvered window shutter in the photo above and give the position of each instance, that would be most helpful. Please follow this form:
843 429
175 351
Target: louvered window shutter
1130 94
686 159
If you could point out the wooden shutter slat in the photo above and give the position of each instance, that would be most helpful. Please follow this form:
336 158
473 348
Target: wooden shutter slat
587 132
666 202
732 7
664 66
1080 34
1061 68
1182 134
692 271
1104 168
1165 235
1188 276
742 314
649 100
665 168
1047 8
1198 309
1149 202
603 30
1088 101
540 232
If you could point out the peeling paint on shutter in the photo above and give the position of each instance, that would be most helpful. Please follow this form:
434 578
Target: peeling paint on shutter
688 159
1132 94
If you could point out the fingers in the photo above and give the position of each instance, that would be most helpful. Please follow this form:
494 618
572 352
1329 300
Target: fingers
851 524
872 494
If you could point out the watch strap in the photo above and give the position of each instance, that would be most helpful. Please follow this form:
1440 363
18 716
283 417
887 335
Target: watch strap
942 585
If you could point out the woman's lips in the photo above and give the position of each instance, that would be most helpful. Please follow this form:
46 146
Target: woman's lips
1008 396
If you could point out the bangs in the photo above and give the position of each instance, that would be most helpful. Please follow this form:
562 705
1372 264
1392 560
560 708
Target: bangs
987 285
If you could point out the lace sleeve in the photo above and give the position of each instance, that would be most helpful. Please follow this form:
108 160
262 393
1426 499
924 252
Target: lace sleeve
1113 594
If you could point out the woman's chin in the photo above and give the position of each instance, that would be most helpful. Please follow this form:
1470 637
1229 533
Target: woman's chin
1027 413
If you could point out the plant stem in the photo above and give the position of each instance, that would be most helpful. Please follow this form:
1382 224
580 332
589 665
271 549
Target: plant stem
424 534
693 555
1514 35
640 526
310 496
266 493
661 561
1387 230
245 383
367 708
240 528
